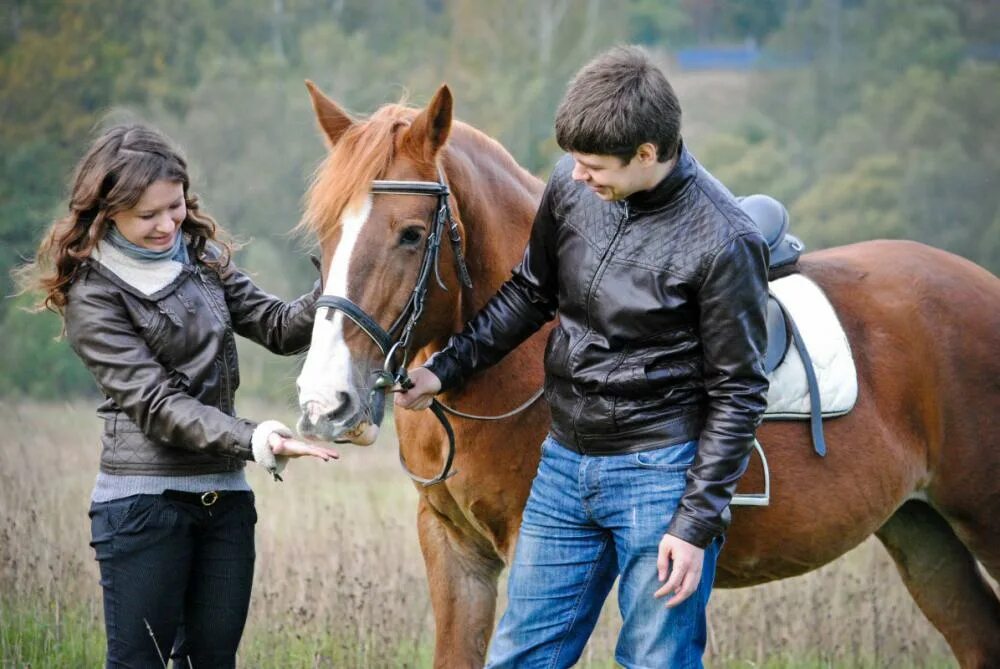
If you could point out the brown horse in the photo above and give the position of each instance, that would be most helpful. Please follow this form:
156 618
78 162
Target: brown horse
917 462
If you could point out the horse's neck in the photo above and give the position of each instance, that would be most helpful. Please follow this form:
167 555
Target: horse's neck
497 202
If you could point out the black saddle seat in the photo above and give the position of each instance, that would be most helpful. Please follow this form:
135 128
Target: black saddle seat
771 218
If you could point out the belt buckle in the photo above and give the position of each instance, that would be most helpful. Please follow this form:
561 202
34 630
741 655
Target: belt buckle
209 498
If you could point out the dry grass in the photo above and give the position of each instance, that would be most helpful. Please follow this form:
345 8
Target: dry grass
339 579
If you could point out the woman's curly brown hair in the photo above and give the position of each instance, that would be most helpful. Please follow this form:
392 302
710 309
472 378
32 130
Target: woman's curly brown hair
111 178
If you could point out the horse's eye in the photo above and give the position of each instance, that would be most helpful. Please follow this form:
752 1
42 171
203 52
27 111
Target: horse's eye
411 236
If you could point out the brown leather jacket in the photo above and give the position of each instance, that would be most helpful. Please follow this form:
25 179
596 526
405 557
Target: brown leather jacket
167 364
661 301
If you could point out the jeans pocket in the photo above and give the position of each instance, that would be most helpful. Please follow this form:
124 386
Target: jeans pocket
109 519
101 530
549 443
676 458
251 512
116 511
137 515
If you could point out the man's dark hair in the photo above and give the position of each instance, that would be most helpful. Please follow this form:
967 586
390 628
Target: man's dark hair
616 102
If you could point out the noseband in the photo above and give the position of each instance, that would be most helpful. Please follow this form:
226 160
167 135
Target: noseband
394 342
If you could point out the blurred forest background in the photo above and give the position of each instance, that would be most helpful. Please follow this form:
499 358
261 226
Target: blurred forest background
868 118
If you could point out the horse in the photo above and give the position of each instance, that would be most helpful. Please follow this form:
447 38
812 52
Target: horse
915 462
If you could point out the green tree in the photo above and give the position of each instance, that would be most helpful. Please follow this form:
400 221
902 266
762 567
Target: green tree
64 67
852 206
35 360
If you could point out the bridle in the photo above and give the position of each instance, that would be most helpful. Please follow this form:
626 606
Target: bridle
387 340
394 342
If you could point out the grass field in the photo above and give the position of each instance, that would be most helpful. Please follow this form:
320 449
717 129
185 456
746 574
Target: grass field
339 579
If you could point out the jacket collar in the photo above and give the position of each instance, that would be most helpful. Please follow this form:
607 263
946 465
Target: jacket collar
664 193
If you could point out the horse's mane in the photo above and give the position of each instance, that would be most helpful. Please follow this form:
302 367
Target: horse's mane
362 155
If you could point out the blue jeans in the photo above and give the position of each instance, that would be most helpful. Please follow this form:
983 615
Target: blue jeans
588 520
176 577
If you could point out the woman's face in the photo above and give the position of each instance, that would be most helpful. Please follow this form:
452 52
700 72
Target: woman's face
156 218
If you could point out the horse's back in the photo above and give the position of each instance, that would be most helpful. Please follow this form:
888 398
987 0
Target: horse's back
911 295
935 273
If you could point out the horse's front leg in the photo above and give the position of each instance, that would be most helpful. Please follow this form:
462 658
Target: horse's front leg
463 589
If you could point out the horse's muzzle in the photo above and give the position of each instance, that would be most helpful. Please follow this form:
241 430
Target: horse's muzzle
318 422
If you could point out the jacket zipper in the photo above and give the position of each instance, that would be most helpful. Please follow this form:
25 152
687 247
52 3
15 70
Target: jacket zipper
605 260
206 291
601 267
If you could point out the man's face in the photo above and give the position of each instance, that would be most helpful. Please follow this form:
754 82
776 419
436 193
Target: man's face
609 176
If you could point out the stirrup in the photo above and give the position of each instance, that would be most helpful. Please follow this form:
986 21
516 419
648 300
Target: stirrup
756 498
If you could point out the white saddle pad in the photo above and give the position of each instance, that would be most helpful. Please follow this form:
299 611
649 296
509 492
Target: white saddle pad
788 396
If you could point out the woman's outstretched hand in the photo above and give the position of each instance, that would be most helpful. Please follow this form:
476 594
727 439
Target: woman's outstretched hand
273 445
293 448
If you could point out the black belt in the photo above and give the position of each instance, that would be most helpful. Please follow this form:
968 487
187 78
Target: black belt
207 498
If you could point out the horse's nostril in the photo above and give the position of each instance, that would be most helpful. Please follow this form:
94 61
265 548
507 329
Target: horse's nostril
311 414
345 408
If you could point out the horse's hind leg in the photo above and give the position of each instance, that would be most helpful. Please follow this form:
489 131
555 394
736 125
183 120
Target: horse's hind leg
944 579
463 589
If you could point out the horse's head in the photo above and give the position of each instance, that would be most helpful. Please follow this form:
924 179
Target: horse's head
375 248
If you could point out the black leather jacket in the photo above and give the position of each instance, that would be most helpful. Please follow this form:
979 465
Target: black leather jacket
661 301
167 364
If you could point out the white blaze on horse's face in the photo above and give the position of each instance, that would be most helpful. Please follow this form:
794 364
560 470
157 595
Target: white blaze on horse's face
328 392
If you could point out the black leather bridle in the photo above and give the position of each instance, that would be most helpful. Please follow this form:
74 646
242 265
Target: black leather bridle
394 343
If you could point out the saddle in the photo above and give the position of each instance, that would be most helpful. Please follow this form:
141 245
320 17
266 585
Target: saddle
772 219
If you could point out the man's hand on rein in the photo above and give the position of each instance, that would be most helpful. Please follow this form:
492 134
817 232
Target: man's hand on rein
425 386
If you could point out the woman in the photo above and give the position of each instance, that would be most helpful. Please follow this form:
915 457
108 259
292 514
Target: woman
150 302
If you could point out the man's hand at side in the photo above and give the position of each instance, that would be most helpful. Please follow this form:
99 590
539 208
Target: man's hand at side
425 386
683 563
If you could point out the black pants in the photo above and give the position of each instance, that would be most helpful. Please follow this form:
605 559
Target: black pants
176 576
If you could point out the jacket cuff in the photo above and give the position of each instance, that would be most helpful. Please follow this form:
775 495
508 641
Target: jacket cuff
242 437
692 531
446 369
262 454
308 300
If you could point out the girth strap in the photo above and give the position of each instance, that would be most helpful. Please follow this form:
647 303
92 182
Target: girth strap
815 406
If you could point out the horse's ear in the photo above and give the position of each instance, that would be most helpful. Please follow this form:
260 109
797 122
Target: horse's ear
332 119
429 130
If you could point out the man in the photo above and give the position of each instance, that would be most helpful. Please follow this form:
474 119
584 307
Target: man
654 376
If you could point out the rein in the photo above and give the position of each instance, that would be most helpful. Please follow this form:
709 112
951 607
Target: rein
393 347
